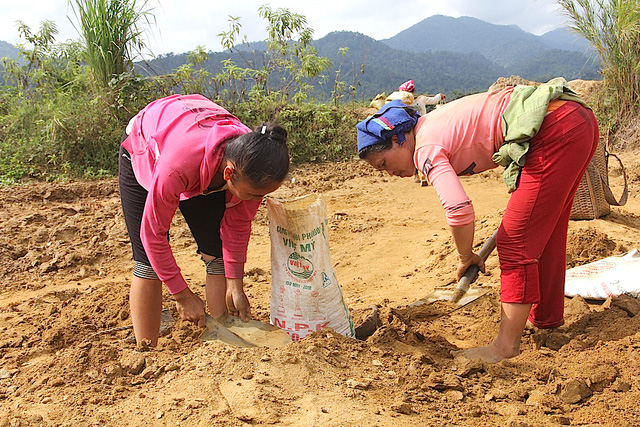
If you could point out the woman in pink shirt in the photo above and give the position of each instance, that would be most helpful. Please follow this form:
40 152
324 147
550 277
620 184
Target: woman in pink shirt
186 152
460 138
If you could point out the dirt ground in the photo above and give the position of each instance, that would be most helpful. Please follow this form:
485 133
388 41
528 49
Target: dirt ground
64 320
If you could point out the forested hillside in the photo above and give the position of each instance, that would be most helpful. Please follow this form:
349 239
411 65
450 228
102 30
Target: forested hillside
440 53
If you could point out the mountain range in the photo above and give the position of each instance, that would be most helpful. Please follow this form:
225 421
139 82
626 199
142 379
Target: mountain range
440 53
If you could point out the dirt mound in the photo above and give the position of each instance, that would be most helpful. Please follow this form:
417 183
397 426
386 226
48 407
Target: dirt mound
503 82
586 88
65 359
585 246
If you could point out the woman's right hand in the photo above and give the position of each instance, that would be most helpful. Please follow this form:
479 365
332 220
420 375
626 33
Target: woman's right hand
190 307
464 262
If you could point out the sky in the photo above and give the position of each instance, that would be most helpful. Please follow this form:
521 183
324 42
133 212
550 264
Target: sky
181 25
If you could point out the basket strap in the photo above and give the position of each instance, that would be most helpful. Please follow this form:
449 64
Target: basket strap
608 195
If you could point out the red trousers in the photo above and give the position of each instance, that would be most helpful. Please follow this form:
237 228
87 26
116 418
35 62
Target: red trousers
532 239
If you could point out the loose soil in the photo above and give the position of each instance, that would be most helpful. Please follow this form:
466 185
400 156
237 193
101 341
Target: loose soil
64 320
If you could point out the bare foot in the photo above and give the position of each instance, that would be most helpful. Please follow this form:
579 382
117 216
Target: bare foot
488 354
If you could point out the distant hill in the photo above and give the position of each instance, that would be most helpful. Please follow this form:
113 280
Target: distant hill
386 68
440 53
564 38
506 45
9 50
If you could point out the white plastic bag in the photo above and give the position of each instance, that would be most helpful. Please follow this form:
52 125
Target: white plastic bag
608 277
305 294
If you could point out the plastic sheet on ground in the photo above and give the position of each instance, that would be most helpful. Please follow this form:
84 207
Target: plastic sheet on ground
605 278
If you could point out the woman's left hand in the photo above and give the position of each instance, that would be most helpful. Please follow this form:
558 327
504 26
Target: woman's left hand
236 299
464 262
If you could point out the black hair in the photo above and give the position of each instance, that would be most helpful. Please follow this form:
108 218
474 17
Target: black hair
374 148
261 156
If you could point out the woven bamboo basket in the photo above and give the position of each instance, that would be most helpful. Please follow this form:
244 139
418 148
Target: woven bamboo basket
589 201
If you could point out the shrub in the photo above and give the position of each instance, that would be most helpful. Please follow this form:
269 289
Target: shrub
317 132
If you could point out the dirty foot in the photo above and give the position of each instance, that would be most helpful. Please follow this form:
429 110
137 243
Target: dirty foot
488 354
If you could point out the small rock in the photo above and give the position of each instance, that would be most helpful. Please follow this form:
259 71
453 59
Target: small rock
311 349
515 421
376 362
113 370
151 371
439 381
575 391
172 366
358 384
56 382
132 362
536 398
509 409
497 394
602 377
556 340
194 404
403 408
621 386
454 395
6 373
467 367
47 399
561 419
629 304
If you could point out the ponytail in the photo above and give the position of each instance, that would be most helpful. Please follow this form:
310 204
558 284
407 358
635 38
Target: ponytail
261 156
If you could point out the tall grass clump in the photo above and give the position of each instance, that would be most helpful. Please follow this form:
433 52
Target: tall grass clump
613 29
113 34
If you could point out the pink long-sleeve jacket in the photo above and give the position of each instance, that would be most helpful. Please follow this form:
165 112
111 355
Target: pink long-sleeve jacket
177 145
459 138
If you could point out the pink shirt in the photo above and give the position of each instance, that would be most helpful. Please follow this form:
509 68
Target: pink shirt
176 145
459 138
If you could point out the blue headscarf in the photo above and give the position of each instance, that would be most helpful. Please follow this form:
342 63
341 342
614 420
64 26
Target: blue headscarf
391 119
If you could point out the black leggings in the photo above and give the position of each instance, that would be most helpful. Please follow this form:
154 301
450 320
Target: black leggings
203 214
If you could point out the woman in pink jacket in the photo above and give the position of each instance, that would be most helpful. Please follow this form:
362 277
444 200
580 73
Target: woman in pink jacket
186 152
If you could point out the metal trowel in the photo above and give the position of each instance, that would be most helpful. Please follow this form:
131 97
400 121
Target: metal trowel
461 295
236 332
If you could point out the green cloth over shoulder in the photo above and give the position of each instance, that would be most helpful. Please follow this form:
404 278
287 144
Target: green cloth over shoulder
522 120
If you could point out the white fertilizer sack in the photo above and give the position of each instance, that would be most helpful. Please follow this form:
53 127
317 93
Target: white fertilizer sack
608 277
305 294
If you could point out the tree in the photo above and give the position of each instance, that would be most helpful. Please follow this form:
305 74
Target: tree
283 71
